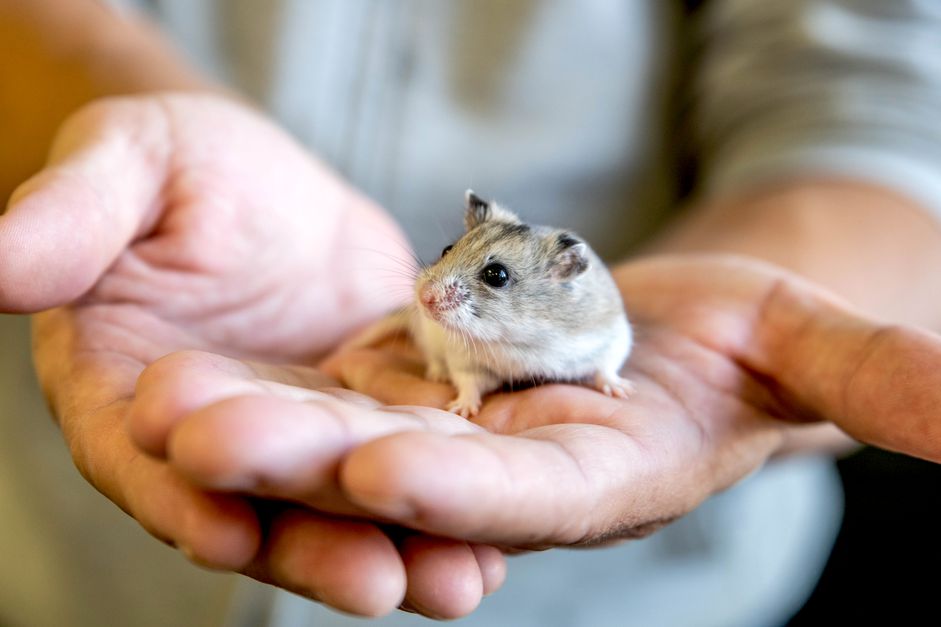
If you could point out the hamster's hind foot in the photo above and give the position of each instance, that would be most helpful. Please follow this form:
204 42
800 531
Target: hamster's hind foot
614 385
465 408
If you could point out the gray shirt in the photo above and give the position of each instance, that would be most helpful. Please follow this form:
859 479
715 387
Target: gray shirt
579 112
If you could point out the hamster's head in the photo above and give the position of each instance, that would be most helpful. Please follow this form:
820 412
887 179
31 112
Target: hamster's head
502 279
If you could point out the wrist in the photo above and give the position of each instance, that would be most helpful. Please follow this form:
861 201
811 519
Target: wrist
871 246
818 438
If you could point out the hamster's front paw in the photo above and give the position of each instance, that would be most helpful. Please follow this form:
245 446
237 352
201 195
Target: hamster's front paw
614 385
437 372
470 385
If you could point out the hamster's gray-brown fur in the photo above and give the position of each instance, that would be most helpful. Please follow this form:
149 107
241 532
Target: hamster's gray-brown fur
511 302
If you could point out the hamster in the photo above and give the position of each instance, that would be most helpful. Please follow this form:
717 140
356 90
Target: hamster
512 302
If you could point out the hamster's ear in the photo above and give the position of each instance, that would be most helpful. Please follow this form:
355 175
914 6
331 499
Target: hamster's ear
477 211
569 257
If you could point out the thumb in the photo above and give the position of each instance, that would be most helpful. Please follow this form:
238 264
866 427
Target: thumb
66 225
881 384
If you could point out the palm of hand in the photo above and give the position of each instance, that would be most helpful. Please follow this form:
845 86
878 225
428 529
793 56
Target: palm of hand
551 465
618 468
240 243
724 346
193 223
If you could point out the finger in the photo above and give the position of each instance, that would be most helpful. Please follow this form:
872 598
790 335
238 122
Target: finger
278 447
213 530
349 565
181 382
216 531
433 589
562 484
881 384
68 223
598 468
355 567
492 565
389 376
88 392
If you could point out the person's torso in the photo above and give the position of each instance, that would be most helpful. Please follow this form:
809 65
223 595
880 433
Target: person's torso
561 110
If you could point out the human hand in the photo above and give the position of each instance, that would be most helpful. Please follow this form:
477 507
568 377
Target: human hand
727 351
730 355
167 222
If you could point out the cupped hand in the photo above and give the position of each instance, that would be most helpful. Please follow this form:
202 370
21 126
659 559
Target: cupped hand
168 222
732 356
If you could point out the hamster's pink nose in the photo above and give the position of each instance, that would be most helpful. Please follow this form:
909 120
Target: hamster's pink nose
436 301
428 297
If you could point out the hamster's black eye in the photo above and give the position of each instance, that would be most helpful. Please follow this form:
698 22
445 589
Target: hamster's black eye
495 275
447 249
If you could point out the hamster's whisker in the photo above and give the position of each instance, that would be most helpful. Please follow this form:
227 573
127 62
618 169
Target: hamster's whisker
491 354
405 268
396 281
397 275
476 346
410 253
412 268
398 294
468 343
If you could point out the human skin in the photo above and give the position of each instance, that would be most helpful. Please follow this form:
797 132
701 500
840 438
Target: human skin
219 435
734 357
724 345
179 235
129 209
730 353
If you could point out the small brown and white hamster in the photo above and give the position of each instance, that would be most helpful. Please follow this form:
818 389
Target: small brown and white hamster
512 302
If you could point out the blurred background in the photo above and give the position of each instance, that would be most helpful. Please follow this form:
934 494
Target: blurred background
882 569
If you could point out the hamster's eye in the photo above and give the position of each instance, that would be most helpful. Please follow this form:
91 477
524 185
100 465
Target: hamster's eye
447 249
495 275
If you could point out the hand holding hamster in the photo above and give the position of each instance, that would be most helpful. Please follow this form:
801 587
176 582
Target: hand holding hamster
512 302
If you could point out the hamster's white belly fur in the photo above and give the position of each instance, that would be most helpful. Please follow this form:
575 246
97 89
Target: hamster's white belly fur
557 356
